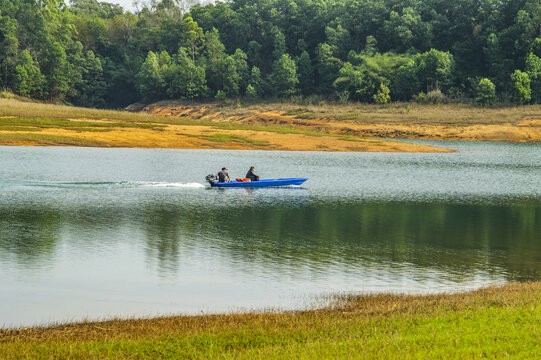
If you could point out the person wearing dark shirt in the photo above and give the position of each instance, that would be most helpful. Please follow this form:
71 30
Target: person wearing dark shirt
223 176
250 175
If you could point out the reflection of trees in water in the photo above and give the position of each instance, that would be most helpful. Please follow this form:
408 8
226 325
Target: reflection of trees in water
29 234
164 228
460 239
457 238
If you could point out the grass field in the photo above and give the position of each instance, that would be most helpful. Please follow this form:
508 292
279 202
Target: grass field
265 125
499 322
32 123
404 113
396 120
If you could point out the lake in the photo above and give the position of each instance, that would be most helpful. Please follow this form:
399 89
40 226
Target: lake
93 233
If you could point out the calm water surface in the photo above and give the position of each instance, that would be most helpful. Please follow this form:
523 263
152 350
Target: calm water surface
94 233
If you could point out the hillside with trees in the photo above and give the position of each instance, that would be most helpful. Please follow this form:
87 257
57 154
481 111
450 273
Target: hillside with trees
97 54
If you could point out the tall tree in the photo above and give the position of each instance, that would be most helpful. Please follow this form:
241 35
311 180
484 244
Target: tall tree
193 34
91 91
56 68
28 78
328 67
229 77
284 76
521 92
150 79
279 46
241 66
533 69
256 81
214 53
305 73
186 79
8 49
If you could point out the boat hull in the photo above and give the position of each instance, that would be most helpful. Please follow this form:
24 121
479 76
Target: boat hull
262 183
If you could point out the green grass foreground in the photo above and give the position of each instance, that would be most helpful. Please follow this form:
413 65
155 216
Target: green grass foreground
498 322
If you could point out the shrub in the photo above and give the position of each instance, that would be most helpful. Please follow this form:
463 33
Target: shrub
251 93
221 95
436 97
343 96
382 96
486 92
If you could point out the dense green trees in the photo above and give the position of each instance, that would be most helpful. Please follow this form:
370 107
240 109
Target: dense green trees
97 54
8 49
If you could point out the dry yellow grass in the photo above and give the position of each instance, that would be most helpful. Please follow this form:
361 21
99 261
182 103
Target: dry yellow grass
24 123
398 120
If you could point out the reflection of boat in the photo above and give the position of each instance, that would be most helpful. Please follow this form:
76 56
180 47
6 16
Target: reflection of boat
260 183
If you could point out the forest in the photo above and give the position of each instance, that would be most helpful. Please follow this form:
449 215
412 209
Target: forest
97 54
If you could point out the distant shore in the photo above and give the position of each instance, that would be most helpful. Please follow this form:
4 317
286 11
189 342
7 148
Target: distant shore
495 322
273 126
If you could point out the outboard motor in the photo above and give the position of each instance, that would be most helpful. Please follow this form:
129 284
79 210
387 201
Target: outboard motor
211 179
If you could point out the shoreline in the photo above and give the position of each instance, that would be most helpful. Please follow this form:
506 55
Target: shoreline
285 127
377 325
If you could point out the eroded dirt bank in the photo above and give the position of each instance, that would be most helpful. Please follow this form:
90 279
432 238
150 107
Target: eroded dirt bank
439 122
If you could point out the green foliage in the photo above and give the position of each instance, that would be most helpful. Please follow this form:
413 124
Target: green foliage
241 66
349 82
151 79
520 87
486 92
436 69
185 79
8 49
305 73
339 39
533 69
256 81
193 35
371 45
91 90
284 76
228 76
328 67
279 47
251 92
406 46
221 95
56 68
405 82
382 97
28 78
363 76
214 53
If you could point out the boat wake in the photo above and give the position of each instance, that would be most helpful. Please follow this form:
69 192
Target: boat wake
174 184
101 184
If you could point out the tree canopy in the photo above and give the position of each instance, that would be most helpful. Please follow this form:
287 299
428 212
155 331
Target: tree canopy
95 53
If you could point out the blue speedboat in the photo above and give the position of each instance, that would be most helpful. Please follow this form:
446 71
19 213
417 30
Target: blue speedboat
260 183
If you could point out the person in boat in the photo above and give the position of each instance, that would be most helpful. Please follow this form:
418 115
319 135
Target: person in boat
250 174
223 176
